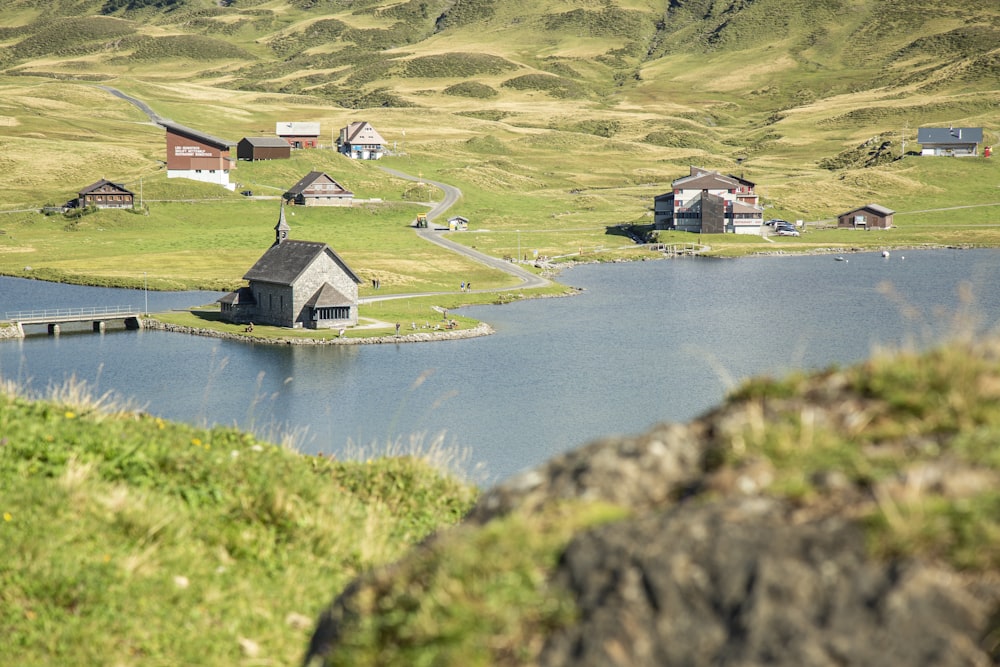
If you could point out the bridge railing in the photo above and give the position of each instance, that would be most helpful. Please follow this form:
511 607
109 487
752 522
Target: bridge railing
60 313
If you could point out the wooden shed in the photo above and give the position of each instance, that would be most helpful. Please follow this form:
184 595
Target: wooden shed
870 216
263 148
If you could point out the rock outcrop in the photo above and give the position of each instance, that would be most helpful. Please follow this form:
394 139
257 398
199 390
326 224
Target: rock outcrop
848 518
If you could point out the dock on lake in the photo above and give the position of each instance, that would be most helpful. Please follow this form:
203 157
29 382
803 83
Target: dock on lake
53 319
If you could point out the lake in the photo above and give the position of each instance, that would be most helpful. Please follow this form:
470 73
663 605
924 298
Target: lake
645 342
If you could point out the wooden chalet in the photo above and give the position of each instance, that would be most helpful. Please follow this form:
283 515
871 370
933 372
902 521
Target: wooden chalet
318 189
105 194
263 148
198 156
950 141
360 141
870 216
298 135
296 284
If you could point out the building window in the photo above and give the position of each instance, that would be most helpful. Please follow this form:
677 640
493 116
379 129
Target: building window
332 313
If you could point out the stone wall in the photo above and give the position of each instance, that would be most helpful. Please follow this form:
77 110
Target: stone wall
482 329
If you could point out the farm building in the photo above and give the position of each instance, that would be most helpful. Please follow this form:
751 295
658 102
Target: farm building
105 194
298 135
951 141
870 216
296 284
198 156
710 203
318 189
360 141
263 148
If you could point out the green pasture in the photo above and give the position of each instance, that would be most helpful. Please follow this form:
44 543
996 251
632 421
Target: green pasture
128 538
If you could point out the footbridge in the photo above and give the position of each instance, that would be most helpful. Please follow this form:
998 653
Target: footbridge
53 319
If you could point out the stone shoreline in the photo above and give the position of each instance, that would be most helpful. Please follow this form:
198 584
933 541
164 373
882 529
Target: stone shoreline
482 329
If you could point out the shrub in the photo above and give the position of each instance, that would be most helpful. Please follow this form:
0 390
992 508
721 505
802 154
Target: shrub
472 89
553 85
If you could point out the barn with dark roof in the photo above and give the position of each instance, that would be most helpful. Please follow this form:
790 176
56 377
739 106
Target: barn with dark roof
296 284
263 148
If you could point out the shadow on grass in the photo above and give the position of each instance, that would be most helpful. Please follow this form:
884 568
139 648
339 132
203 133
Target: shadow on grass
635 233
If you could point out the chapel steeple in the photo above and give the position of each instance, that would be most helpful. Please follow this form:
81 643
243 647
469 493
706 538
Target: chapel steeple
281 229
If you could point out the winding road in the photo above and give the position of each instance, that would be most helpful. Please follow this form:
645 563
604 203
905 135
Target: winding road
451 196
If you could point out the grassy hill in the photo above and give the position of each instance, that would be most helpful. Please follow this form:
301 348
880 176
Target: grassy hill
560 122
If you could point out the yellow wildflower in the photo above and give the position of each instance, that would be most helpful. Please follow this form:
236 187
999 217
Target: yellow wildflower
7 516
70 414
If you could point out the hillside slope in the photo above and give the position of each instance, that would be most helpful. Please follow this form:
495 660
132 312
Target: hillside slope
585 110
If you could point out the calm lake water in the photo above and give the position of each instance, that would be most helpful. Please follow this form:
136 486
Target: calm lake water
646 342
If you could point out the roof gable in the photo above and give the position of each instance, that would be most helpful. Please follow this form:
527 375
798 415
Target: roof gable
313 178
286 129
183 131
267 142
284 262
104 186
706 181
949 135
874 208
362 132
328 296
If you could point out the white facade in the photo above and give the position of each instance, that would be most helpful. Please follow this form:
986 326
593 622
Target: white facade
213 176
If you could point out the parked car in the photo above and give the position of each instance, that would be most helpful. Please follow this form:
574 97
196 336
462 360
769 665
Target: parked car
773 222
788 232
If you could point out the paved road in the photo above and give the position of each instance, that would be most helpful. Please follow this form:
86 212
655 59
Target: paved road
142 106
429 233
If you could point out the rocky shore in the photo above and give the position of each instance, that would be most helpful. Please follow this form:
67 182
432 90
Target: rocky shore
482 329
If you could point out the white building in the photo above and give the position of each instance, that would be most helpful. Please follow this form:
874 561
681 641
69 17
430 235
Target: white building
708 202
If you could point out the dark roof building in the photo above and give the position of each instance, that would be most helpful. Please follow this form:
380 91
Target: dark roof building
318 189
105 194
951 141
870 216
263 148
296 284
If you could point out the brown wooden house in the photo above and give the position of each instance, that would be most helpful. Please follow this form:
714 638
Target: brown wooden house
263 148
105 194
318 189
870 216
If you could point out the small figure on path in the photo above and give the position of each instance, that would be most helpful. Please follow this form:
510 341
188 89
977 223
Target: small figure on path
397 328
